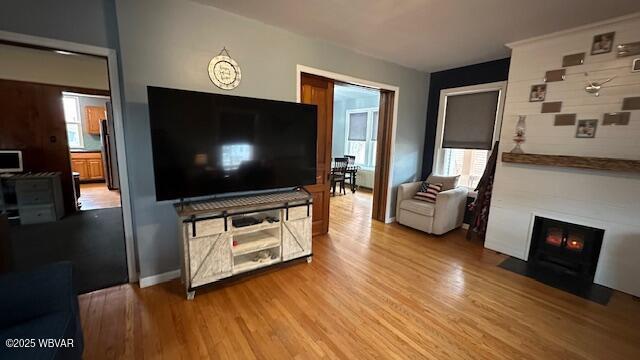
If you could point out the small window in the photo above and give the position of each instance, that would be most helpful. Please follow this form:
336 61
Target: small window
234 155
73 120
467 163
360 139
468 123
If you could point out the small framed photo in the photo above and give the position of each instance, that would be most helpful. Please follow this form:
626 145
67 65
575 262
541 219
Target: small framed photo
602 43
636 65
538 93
586 128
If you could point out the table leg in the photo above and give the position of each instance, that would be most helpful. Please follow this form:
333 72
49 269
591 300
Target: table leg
353 182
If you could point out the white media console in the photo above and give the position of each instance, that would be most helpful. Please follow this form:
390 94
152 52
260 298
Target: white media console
223 238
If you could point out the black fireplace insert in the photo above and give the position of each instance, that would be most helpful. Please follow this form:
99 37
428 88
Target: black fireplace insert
567 248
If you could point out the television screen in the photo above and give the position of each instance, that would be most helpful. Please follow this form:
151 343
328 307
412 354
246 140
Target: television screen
206 144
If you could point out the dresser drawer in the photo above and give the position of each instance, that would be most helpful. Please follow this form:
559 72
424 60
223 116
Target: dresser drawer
32 185
35 197
205 228
37 214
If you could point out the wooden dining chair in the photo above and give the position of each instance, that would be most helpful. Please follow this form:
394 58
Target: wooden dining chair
338 174
351 162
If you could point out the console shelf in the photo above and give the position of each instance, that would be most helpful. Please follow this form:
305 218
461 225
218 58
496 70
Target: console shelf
280 231
253 265
255 241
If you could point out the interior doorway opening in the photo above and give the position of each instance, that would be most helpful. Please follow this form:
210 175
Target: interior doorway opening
93 153
56 103
354 141
373 148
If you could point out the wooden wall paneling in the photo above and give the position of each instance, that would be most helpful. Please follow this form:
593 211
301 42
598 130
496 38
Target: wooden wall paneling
33 121
383 155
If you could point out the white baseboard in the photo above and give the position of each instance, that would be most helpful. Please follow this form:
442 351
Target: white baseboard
159 278
390 220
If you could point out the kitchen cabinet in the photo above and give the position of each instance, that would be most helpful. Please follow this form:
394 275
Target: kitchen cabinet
89 165
94 114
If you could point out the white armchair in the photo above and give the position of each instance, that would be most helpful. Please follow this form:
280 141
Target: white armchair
445 215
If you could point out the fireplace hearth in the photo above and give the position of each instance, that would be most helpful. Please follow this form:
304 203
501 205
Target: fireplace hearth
565 256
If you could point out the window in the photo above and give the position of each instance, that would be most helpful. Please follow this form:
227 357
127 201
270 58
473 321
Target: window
360 137
468 122
469 164
234 155
72 117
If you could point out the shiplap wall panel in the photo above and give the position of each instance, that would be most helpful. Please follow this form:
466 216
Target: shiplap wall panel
606 200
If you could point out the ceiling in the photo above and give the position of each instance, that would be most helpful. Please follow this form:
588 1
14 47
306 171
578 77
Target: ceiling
427 35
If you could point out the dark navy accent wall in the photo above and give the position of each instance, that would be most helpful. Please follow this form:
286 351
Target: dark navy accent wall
483 73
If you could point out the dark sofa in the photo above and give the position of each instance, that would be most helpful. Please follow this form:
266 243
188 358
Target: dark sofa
40 304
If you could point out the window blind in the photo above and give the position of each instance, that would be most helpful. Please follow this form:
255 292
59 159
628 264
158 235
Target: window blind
358 126
470 120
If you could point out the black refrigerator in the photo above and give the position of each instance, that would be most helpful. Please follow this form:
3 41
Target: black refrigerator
109 157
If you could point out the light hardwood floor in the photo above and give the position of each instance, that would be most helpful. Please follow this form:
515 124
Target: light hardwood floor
98 196
372 291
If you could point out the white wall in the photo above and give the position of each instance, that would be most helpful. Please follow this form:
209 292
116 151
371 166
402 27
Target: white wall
606 200
47 67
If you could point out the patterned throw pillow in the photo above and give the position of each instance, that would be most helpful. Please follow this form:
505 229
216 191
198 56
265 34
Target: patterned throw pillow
428 192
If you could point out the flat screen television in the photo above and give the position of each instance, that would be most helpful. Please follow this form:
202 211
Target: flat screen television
209 144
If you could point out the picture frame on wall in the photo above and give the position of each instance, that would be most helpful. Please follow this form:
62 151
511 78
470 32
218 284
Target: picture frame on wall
602 43
538 93
587 128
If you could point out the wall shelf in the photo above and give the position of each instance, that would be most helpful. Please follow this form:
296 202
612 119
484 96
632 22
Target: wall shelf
580 162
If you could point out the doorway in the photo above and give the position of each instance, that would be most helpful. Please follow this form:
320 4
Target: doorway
93 154
318 87
48 98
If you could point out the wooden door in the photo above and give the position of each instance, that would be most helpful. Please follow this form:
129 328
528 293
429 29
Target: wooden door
383 155
319 91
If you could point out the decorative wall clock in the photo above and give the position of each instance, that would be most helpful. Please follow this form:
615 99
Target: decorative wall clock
224 72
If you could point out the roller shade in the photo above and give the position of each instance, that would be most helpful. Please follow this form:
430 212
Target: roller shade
358 126
470 120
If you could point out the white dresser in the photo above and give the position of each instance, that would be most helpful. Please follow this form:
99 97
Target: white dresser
37 197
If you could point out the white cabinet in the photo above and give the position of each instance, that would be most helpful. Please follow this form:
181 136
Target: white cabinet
215 245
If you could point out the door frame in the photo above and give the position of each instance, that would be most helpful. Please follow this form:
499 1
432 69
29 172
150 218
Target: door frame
116 102
370 84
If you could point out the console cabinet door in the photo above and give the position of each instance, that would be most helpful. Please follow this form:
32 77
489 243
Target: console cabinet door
296 238
209 258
